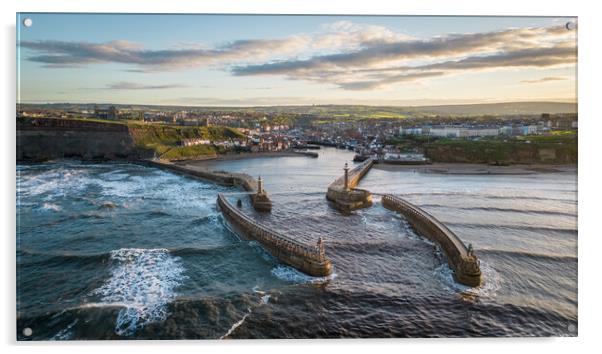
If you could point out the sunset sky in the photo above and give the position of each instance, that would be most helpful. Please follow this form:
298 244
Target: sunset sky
246 60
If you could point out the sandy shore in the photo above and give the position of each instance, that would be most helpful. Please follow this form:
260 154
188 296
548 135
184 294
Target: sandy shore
481 169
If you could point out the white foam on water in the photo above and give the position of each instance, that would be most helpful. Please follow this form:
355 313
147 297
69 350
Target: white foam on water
176 193
236 325
93 305
55 183
65 333
491 281
50 207
262 251
263 300
115 175
143 282
263 296
257 291
411 234
292 275
124 189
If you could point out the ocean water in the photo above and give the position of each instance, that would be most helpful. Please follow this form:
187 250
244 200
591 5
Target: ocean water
122 251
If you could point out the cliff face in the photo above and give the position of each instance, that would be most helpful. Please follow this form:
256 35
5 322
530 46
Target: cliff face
46 138
476 152
40 139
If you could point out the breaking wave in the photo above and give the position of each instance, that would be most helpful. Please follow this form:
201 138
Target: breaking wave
143 281
291 275
491 281
263 300
50 207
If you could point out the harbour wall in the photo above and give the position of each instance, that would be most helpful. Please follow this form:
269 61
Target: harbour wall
351 198
309 259
461 259
306 153
260 201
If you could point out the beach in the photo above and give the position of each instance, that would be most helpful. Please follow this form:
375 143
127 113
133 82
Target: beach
480 169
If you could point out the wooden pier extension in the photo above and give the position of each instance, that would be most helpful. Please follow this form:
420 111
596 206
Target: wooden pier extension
309 259
461 259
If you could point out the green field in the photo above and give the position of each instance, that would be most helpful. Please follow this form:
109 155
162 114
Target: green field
555 148
189 152
558 147
165 140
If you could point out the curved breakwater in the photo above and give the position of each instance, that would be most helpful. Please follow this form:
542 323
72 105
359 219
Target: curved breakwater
461 259
308 259
346 197
259 198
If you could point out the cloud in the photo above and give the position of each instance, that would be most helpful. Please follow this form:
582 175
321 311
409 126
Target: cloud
538 57
385 51
350 100
366 85
344 54
55 54
64 54
124 85
262 88
376 64
348 35
544 79
532 57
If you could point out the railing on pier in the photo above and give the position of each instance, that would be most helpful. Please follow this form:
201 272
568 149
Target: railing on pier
401 204
355 174
270 237
461 259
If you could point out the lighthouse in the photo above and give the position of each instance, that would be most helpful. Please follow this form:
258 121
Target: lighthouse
346 169
259 186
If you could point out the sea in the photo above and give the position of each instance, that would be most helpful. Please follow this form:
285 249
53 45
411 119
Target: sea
125 251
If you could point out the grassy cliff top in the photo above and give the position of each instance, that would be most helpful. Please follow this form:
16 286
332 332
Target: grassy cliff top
163 139
171 135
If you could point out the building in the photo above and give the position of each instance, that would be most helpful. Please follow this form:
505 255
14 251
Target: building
529 129
110 113
192 142
479 132
180 115
410 131
445 132
131 115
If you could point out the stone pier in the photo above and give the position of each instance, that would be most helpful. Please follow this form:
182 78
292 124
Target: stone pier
343 192
309 259
461 259
259 197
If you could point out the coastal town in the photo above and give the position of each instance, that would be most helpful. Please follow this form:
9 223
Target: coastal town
198 176
400 140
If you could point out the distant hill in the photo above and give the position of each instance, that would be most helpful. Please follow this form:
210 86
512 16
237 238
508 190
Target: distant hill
505 108
502 108
357 111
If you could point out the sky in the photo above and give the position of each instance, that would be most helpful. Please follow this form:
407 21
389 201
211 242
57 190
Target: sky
256 60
